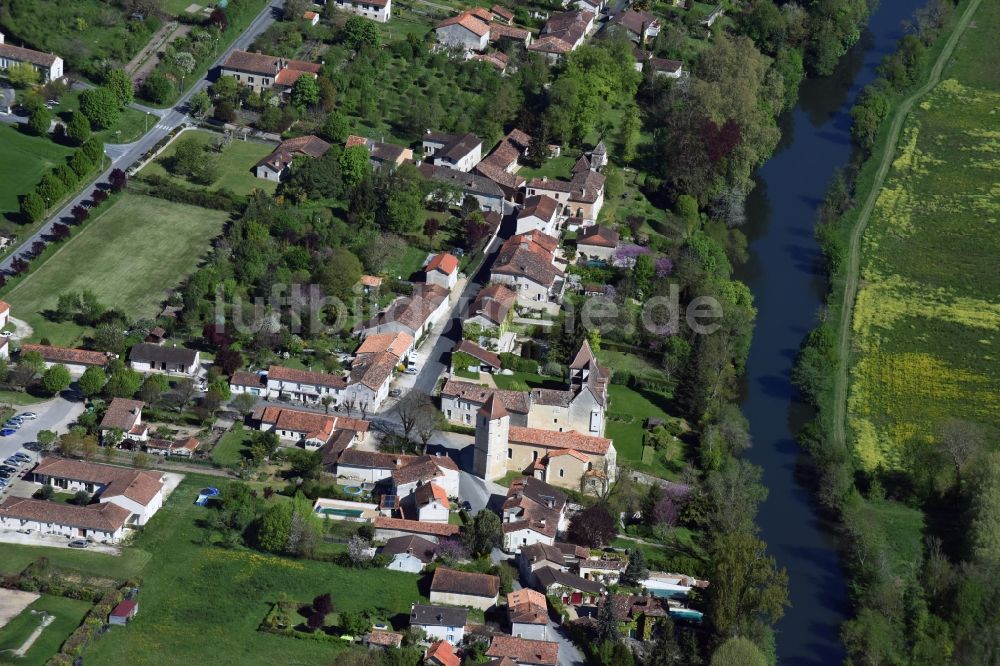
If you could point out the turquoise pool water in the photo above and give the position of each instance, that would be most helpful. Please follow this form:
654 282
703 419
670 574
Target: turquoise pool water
668 594
349 513
687 614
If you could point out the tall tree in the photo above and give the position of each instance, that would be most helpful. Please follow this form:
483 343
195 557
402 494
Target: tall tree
747 588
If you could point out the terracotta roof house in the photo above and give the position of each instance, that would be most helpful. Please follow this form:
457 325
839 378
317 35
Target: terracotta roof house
414 315
139 492
442 270
500 165
76 360
503 14
48 65
148 357
487 360
387 528
183 447
564 32
539 212
526 264
596 243
379 11
440 622
312 429
260 71
491 311
100 522
276 165
469 30
303 385
370 282
460 400
421 470
460 152
501 32
382 154
582 196
528 613
461 588
489 195
533 512
383 639
442 653
397 344
430 503
370 466
524 651
125 415
254 383
497 59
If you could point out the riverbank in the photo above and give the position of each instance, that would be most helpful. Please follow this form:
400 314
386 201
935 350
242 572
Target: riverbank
889 305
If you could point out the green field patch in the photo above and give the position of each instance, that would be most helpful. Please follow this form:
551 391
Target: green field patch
234 164
129 256
68 615
24 160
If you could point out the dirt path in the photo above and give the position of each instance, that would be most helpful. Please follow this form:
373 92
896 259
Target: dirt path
22 330
30 640
13 602
144 62
840 383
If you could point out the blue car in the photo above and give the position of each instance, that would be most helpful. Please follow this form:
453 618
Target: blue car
7 432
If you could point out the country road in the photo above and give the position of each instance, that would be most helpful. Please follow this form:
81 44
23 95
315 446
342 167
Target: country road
123 156
841 379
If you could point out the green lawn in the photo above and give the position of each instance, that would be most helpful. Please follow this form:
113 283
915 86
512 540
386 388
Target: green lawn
234 164
19 398
229 451
555 167
23 161
129 256
407 264
68 614
13 559
522 381
131 124
636 406
204 604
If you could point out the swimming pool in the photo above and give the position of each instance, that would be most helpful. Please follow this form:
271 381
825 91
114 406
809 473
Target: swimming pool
347 513
687 614
353 490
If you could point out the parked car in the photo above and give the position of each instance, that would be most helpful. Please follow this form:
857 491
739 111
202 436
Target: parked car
14 462
395 393
7 432
8 469
410 371
20 455
31 416
33 446
6 334
78 543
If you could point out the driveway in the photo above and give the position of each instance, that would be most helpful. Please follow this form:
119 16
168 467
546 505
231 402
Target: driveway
569 654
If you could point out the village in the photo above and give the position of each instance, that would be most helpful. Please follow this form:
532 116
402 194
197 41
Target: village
345 397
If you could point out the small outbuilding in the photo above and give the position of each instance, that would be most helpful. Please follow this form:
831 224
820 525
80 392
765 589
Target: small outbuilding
123 613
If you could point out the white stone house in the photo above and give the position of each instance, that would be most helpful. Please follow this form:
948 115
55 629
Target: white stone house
48 65
441 623
148 357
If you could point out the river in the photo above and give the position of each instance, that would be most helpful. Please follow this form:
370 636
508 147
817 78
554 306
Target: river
785 273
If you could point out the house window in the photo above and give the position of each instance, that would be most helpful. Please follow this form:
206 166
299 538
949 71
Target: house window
534 456
249 79
562 473
510 453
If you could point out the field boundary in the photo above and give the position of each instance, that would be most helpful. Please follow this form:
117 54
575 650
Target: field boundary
853 266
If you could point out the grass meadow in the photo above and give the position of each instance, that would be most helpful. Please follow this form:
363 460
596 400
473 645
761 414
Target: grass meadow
927 315
234 166
129 256
24 160
68 616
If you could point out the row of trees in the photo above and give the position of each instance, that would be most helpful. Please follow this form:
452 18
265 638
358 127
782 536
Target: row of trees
61 180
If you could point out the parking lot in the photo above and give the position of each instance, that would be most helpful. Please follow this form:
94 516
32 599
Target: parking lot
55 415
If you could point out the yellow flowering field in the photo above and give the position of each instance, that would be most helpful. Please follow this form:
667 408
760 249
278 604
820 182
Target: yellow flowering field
927 317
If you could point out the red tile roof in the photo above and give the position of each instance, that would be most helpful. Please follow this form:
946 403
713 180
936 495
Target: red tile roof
11 52
137 485
551 439
464 582
524 651
394 343
125 608
477 352
107 517
527 606
429 492
67 355
493 302
123 414
541 206
513 401
384 638
4 306
255 63
280 373
415 526
469 21
444 262
597 235
443 653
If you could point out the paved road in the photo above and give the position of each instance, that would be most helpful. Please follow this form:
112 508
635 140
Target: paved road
124 156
